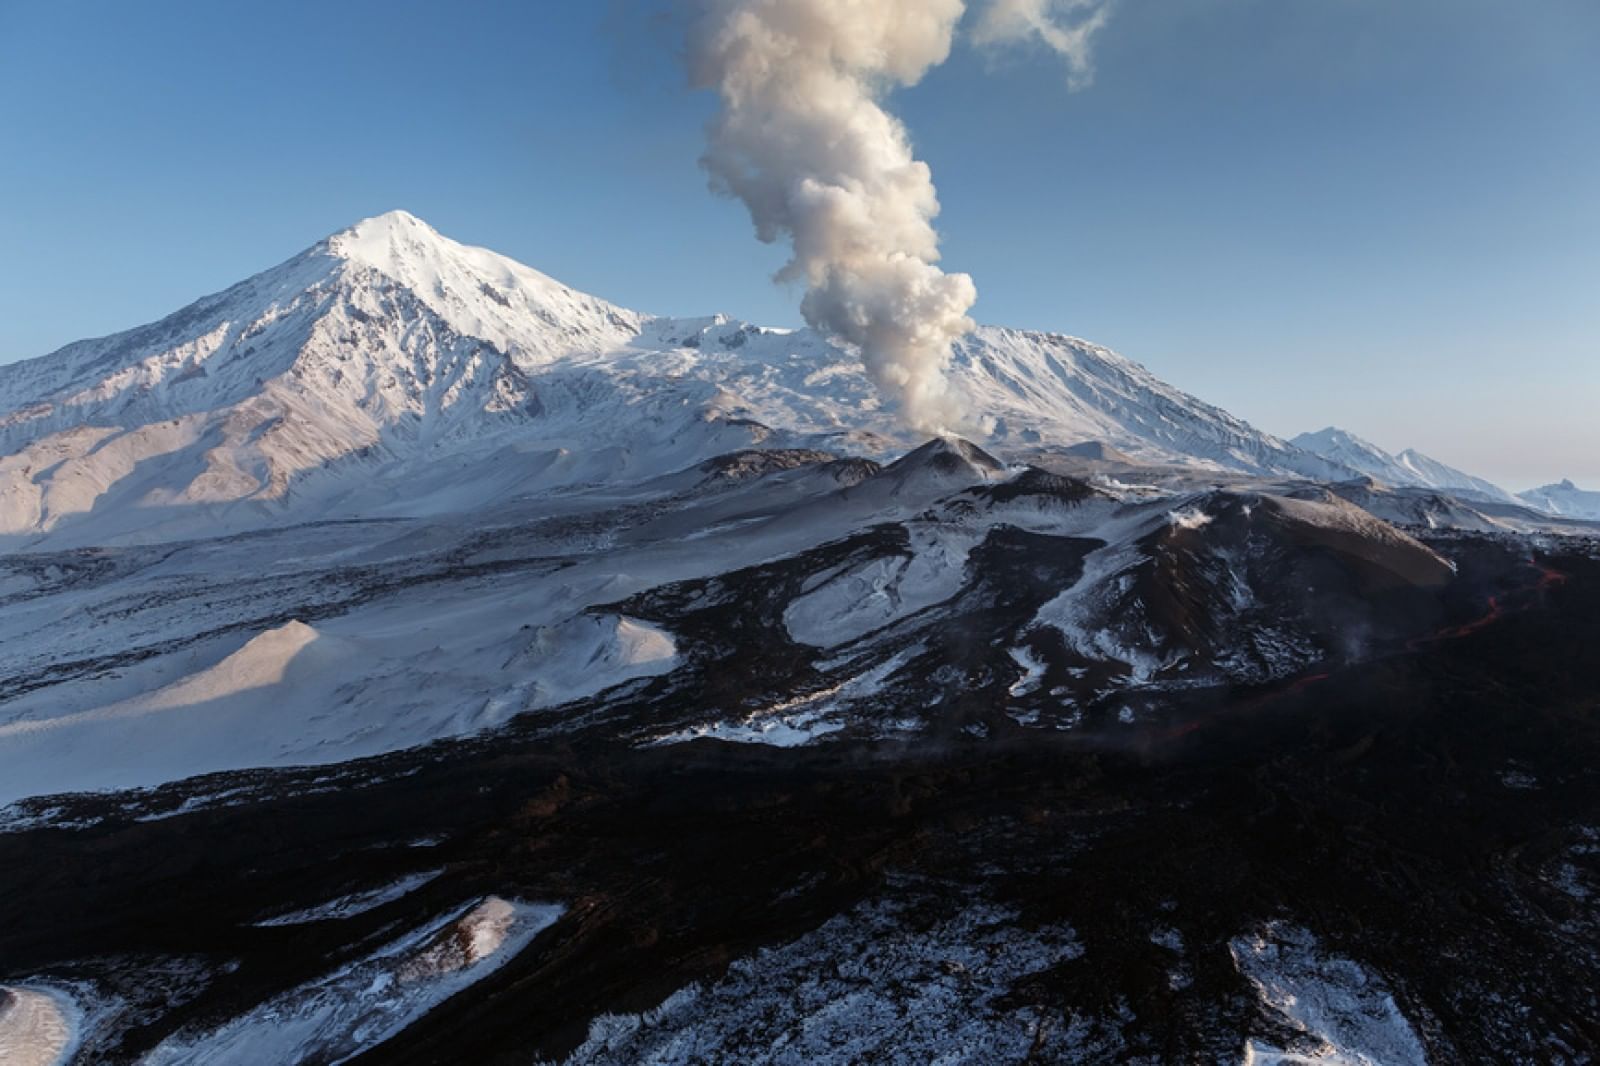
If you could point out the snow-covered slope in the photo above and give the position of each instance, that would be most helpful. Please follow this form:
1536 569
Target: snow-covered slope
389 370
1408 468
1564 499
1054 389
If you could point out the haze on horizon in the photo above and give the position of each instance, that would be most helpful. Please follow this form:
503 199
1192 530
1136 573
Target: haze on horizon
1383 217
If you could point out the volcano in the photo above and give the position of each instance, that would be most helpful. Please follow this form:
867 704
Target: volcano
407 658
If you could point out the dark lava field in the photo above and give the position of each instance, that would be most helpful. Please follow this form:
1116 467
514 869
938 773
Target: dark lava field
1432 810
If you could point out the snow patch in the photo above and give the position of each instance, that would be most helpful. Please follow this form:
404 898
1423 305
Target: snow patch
355 903
864 598
799 721
1344 1014
1033 670
365 1003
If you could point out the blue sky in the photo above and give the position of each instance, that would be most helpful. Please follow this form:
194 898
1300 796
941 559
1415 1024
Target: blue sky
1379 214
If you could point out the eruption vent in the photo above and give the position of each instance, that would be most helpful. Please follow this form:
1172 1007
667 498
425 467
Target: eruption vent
805 143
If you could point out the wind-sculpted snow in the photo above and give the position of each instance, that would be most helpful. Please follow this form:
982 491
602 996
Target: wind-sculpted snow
586 654
364 1003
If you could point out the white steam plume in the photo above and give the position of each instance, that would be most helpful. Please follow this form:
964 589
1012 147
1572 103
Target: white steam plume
803 140
1067 27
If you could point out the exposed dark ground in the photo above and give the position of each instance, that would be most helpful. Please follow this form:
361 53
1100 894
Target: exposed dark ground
1424 812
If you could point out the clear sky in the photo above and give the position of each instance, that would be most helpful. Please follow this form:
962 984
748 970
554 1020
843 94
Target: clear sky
1381 214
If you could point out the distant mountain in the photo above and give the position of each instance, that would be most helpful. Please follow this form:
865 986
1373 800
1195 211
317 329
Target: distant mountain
1564 499
1408 468
388 370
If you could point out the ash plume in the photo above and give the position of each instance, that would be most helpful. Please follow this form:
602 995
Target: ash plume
804 141
1066 27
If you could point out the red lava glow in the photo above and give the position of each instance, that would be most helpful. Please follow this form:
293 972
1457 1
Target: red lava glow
1548 579
1305 683
1495 613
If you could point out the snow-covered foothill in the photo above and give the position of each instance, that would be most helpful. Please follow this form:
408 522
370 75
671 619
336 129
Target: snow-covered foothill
438 663
1324 515
588 653
1078 612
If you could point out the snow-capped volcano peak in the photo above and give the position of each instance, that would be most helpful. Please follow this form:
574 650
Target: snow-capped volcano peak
402 246
381 343
384 228
408 250
481 293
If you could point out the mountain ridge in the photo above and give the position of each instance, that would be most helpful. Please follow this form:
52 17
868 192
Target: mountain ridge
387 367
1409 468
1565 499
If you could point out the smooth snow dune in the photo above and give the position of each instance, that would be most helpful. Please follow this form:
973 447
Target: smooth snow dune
261 663
37 1027
237 713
